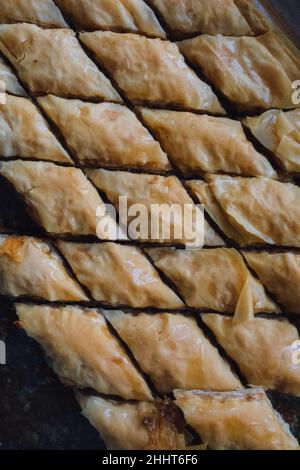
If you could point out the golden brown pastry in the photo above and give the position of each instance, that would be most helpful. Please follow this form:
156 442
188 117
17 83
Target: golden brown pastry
83 351
280 273
173 351
199 144
105 134
252 210
257 20
228 17
62 200
8 81
25 133
148 191
52 61
41 12
151 71
135 426
118 275
30 267
253 73
210 279
279 132
112 15
264 349
203 193
236 420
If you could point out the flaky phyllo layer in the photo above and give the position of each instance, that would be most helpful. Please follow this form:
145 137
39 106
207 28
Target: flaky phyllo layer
167 345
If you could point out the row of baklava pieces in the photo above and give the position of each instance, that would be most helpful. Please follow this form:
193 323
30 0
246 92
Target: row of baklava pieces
154 71
66 201
174 352
238 18
232 17
111 135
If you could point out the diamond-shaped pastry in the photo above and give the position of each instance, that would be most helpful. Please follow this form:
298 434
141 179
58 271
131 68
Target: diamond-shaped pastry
255 17
52 61
151 71
135 426
205 144
112 15
41 12
280 273
210 279
8 81
173 351
279 132
146 195
62 200
24 133
265 350
83 352
228 17
103 265
253 210
236 420
105 134
30 267
253 73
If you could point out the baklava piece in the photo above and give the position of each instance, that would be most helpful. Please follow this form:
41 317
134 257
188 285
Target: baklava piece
52 61
173 351
256 19
41 12
8 81
117 15
105 134
24 133
30 267
280 273
62 200
252 210
205 144
266 350
210 279
228 17
279 132
83 352
135 426
118 275
147 197
253 73
151 71
236 420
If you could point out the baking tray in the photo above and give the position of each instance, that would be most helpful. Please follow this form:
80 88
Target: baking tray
36 410
285 15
